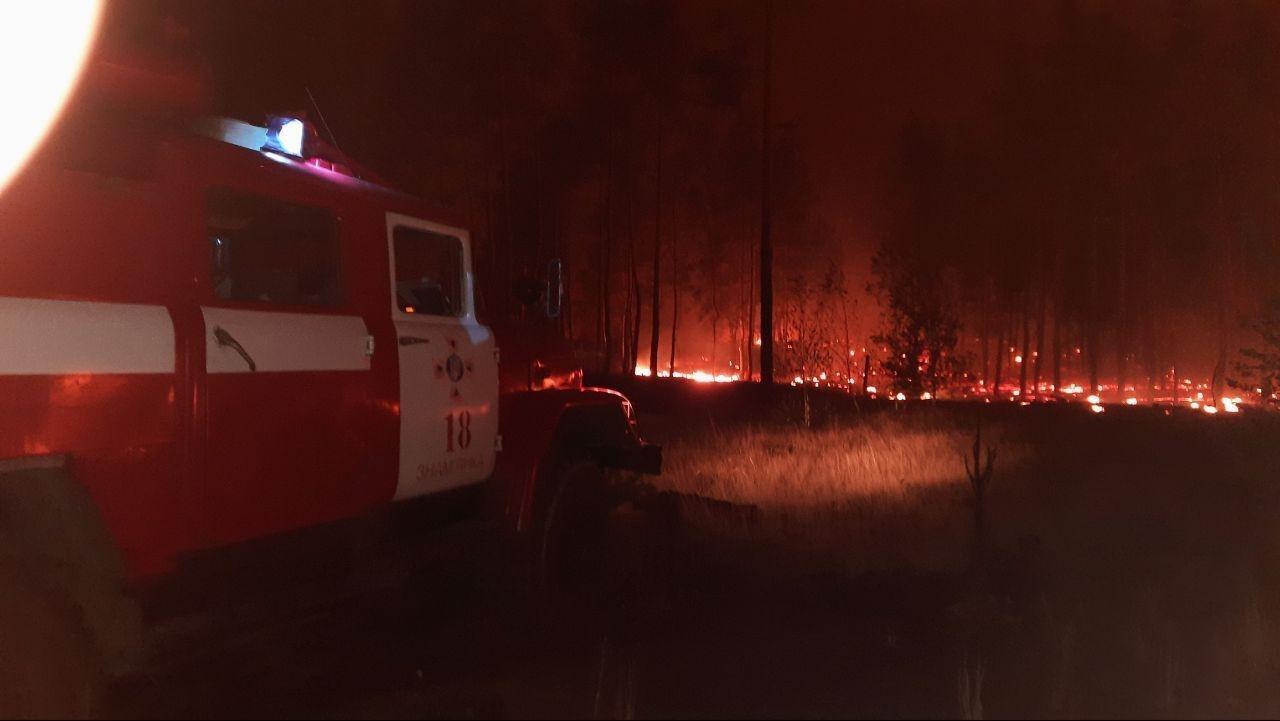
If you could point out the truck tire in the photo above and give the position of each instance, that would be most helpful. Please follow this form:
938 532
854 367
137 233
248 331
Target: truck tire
48 664
572 546
66 624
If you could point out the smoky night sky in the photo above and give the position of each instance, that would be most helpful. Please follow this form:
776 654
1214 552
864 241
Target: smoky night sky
1060 174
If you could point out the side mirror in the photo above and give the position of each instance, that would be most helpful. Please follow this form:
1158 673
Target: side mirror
555 288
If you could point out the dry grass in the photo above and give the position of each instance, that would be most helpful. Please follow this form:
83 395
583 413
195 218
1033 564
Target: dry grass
861 496
1153 576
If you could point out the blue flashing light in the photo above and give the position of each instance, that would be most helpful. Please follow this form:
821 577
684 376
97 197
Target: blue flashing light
285 136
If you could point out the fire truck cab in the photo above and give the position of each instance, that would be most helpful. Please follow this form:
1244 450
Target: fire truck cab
212 333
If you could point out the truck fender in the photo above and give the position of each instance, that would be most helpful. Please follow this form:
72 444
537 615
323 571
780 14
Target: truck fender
555 427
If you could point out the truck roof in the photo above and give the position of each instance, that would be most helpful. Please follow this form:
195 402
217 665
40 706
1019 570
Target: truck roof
329 165
173 101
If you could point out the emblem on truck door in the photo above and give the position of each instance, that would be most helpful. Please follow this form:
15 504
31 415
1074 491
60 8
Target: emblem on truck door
455 367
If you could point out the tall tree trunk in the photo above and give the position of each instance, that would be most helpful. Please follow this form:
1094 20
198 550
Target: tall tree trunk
1122 315
508 221
633 292
766 211
656 307
675 299
749 341
635 312
715 324
1026 352
848 339
499 301
1057 351
602 295
1092 320
628 301
1091 356
606 301
1000 355
1040 328
985 379
1226 302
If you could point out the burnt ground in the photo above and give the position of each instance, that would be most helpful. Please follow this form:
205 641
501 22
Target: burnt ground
1138 606
716 647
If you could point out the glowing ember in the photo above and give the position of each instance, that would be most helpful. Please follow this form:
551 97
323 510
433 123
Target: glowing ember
1093 400
1211 410
1231 405
901 396
1131 401
1097 408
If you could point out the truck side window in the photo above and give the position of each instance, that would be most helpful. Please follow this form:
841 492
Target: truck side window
428 272
270 251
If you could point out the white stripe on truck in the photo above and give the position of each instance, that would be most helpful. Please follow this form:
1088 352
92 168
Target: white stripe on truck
57 337
285 341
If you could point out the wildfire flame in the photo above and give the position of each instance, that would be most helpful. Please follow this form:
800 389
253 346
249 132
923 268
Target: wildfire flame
1185 392
696 376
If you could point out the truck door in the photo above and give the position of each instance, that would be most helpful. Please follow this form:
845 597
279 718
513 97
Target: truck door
287 364
448 368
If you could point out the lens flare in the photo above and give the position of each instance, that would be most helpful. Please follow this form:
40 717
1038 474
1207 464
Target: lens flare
43 47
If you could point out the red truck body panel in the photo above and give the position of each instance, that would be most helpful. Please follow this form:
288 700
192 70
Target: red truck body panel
107 305
292 449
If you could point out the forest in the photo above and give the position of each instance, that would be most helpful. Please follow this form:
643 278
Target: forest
1103 216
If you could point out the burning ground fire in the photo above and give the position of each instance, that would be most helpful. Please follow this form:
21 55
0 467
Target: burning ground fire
696 376
1186 394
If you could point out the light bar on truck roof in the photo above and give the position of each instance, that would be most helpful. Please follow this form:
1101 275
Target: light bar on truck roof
285 136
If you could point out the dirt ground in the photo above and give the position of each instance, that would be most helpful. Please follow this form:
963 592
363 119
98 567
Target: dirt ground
822 561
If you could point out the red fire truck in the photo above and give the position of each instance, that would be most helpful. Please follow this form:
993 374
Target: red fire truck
215 335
